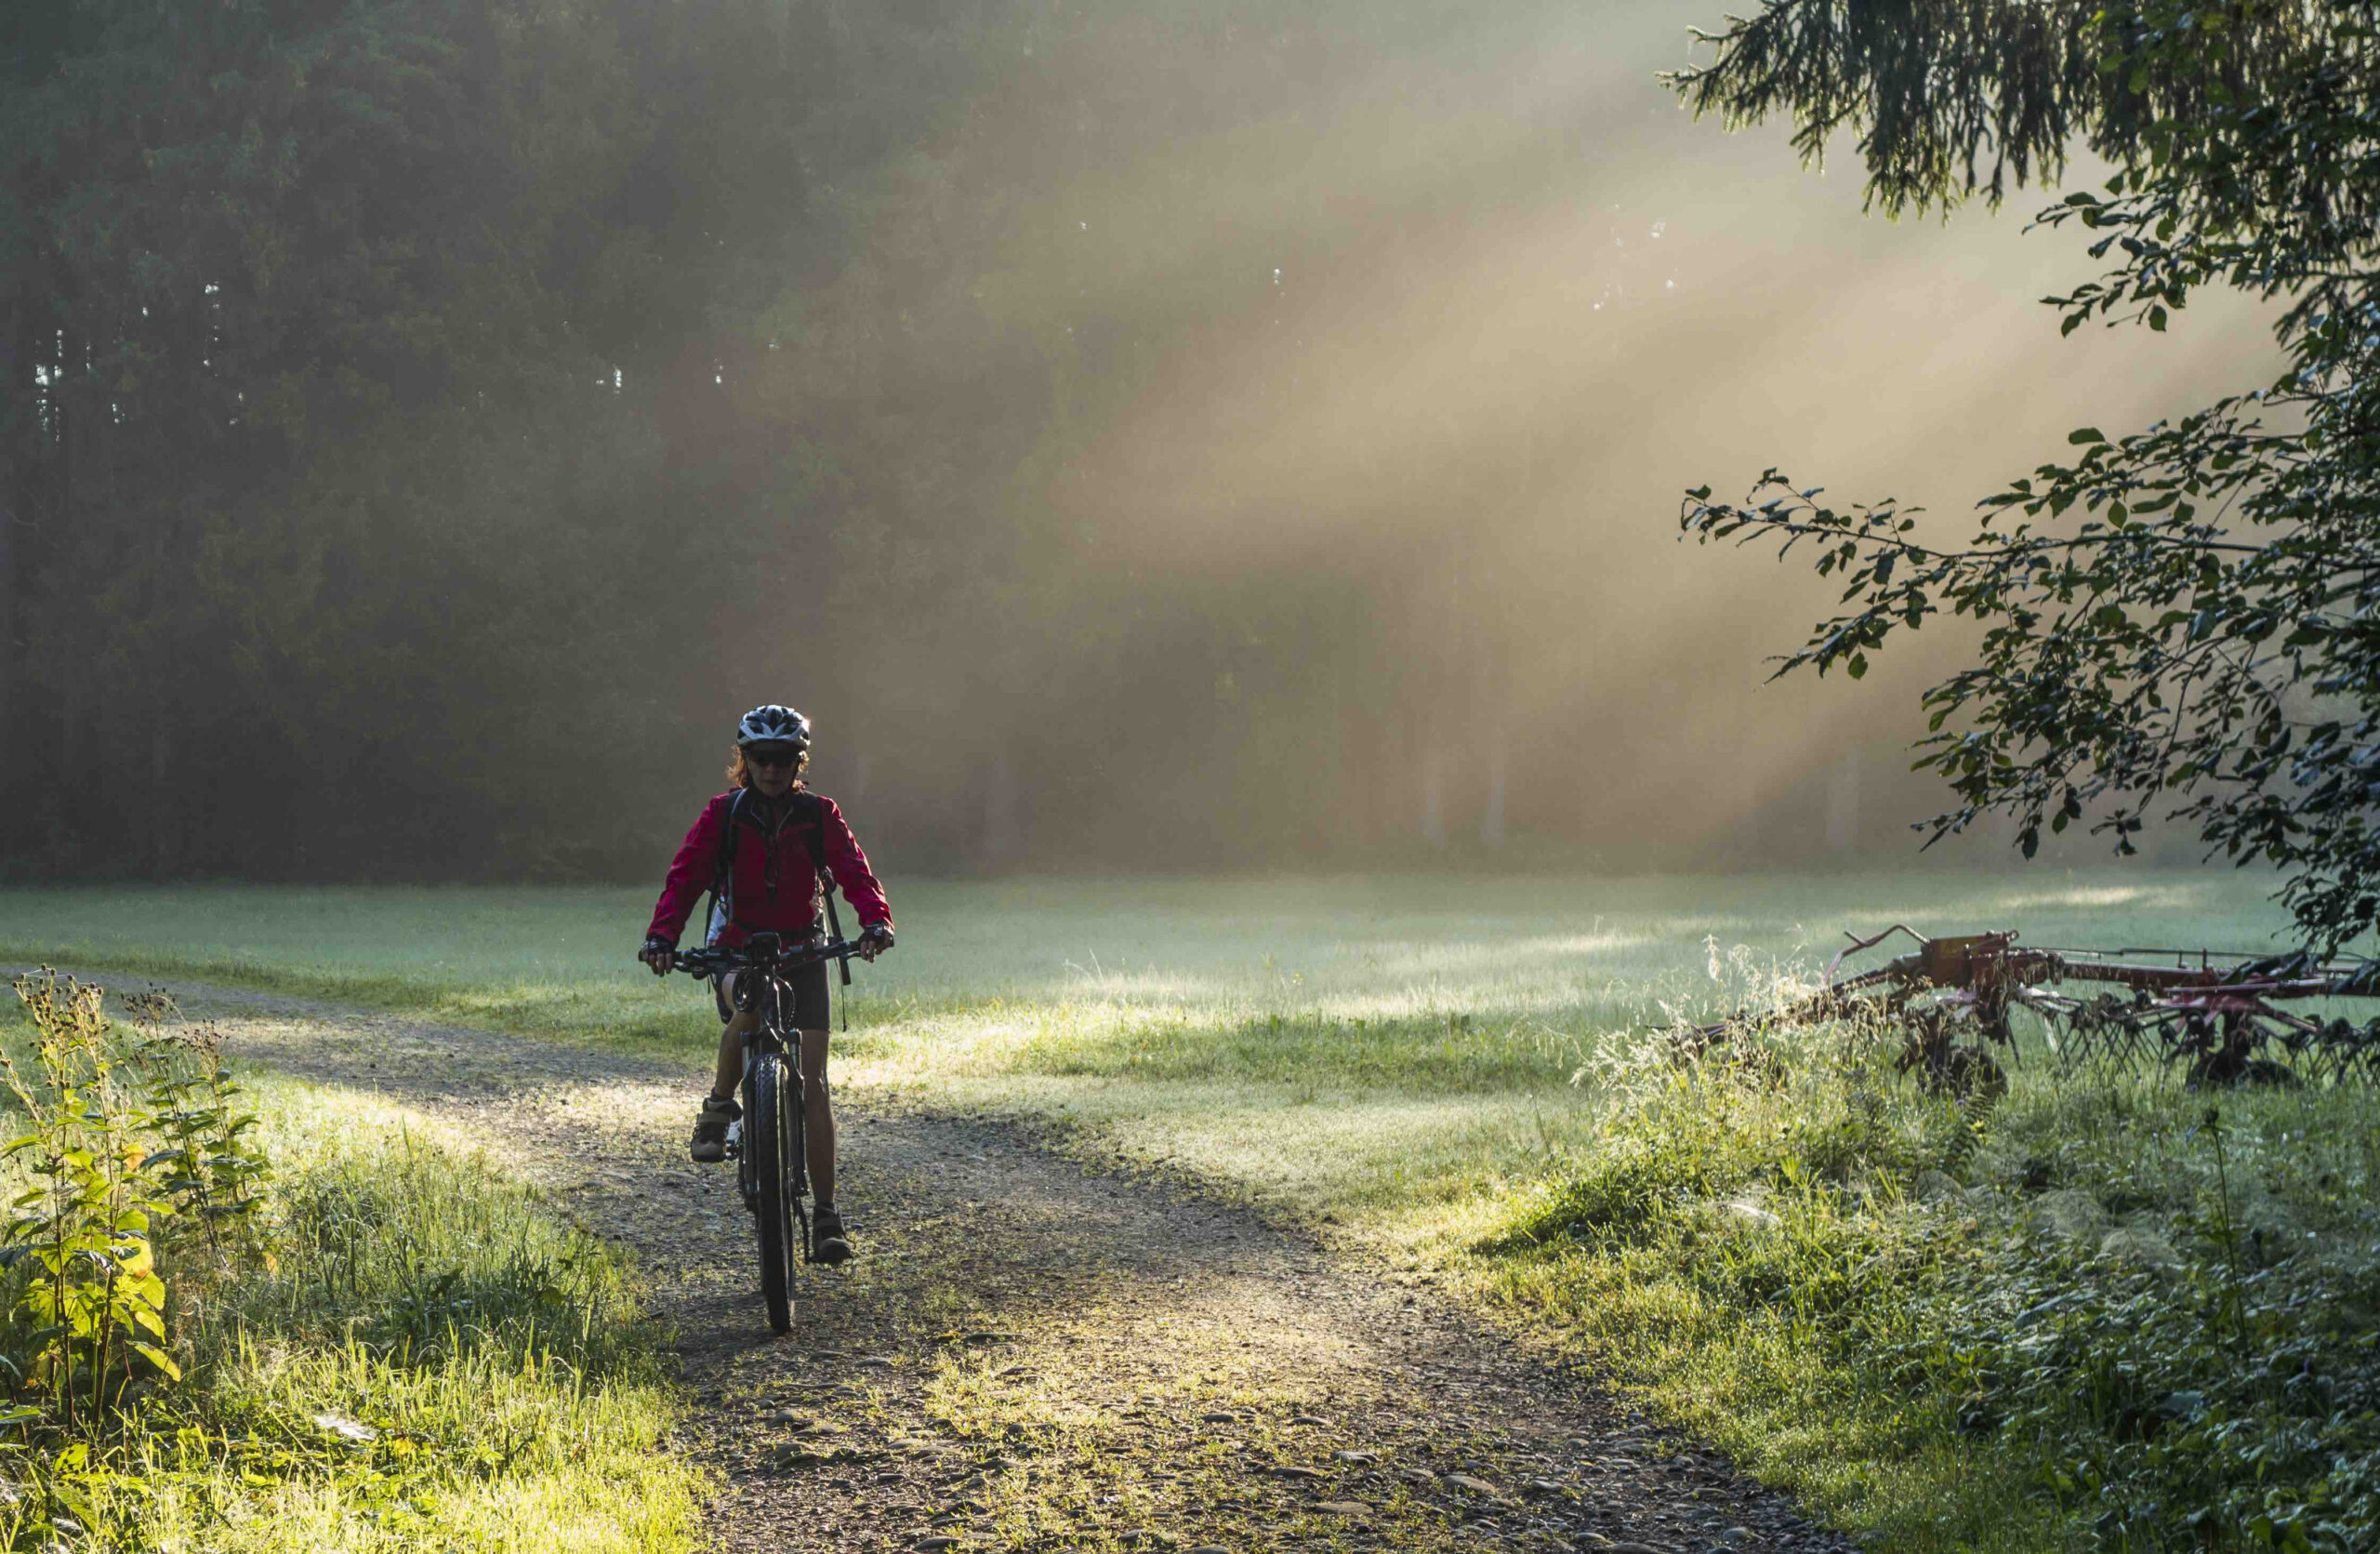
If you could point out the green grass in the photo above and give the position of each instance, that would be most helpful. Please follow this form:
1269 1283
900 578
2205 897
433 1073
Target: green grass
424 1359
1353 1047
1404 1056
2102 1313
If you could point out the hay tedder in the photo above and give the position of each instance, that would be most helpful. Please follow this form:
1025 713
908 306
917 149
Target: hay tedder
2222 1018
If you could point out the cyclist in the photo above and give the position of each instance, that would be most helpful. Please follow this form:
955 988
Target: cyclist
761 848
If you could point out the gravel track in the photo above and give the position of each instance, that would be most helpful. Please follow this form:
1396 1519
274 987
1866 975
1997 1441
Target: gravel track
1030 1355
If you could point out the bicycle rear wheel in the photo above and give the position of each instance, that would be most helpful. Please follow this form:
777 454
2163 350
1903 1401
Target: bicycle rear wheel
774 1138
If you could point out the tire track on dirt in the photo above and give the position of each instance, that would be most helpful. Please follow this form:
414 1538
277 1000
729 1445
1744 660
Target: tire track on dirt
1028 1355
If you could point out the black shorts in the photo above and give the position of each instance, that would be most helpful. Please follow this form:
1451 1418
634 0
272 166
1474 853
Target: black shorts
810 1007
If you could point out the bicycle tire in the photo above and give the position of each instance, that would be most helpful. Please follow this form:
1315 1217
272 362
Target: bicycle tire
774 1145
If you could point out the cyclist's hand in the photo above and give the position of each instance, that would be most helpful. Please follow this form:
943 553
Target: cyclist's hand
874 942
657 954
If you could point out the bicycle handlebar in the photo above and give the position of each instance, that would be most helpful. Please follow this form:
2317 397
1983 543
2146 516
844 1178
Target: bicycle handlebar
761 950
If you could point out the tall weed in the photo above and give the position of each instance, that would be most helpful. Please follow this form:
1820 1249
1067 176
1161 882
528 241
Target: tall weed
89 1316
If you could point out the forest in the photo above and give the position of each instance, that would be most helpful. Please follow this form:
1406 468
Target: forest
423 425
1182 437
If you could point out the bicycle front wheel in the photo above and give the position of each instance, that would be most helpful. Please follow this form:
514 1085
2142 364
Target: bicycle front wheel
774 1139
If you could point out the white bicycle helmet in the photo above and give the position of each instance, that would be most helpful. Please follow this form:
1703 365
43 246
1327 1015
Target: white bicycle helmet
772 724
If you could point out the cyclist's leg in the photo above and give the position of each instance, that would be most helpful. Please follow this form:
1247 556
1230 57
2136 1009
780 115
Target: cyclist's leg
740 1023
819 1126
710 1143
830 1242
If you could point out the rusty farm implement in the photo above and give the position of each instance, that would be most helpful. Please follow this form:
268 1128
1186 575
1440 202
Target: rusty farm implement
2221 1018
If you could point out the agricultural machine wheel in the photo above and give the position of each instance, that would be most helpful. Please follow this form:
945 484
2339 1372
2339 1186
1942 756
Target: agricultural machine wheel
1991 1016
2232 1060
2227 1067
1942 1064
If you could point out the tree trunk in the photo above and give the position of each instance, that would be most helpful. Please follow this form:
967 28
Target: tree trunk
13 416
164 806
1434 798
1492 814
1842 804
999 811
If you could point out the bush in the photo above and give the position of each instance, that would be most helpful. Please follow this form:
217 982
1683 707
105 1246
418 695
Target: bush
127 1143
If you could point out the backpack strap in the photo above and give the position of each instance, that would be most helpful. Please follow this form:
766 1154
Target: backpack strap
825 875
723 899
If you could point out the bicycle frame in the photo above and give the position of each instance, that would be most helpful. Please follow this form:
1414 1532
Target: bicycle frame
775 1107
765 991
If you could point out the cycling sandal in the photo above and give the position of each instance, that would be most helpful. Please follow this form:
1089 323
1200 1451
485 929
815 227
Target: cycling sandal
709 1143
829 1243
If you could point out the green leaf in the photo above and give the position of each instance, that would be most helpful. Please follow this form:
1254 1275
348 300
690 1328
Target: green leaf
2087 434
2157 319
158 1357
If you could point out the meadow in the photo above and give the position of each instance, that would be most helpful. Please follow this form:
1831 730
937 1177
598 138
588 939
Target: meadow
1358 1047
397 1347
2093 1315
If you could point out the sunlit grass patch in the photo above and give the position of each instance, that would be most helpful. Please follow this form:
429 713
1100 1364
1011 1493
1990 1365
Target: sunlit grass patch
1120 1428
472 1451
429 1359
2104 1311
413 1354
1570 952
1413 1061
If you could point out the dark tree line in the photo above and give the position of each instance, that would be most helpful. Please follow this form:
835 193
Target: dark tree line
336 535
425 423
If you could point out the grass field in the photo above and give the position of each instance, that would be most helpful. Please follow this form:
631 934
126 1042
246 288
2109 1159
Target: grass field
417 1355
1353 1047
1439 1067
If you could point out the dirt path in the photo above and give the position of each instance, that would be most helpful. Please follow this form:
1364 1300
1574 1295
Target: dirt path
1026 1356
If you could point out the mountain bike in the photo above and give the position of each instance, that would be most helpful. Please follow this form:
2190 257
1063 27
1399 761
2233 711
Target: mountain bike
766 1143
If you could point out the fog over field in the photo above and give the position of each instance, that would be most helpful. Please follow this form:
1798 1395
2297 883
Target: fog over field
1139 434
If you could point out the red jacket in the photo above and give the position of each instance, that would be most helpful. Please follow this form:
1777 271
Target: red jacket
773 884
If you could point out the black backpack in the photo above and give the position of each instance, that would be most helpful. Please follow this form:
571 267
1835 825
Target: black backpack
721 883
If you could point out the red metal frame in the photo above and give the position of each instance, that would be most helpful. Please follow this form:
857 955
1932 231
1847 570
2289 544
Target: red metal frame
2217 1010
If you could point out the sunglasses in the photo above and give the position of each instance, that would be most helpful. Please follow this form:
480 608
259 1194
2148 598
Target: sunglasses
771 755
